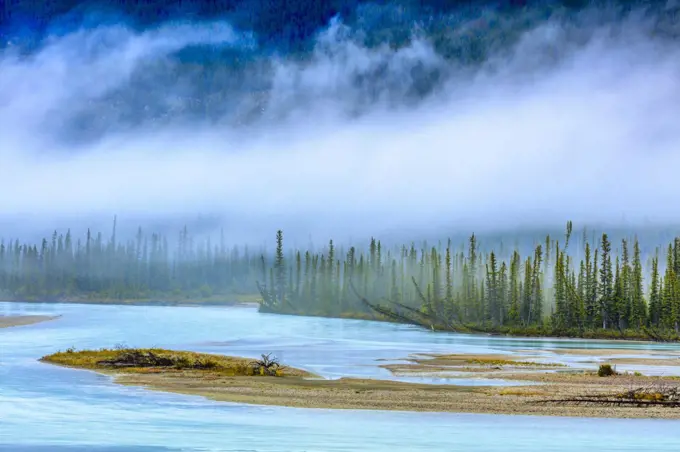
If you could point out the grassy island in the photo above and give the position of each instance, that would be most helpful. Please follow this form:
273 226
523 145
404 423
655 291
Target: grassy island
552 390
150 361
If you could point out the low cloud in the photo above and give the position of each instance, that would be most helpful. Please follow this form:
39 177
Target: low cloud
350 139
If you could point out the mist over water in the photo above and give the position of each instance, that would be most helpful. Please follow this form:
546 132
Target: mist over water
385 118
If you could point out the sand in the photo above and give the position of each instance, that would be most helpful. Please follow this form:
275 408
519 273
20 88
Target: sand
612 352
348 393
20 320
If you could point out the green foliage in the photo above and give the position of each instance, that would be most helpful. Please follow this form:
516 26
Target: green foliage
599 296
606 370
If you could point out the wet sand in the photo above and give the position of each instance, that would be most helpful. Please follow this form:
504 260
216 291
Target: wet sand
612 352
389 395
20 320
624 357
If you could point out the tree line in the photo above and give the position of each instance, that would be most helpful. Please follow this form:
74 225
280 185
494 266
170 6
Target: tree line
146 266
557 288
562 285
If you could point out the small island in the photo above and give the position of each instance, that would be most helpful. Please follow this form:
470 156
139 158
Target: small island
551 390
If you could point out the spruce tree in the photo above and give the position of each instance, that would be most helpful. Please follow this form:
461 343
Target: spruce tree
606 286
654 294
515 289
492 289
536 287
280 269
668 304
623 306
638 315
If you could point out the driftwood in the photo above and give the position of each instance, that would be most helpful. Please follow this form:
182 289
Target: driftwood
412 316
434 319
136 358
269 299
385 311
655 395
655 335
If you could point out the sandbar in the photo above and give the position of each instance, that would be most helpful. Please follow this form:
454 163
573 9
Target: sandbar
298 388
20 320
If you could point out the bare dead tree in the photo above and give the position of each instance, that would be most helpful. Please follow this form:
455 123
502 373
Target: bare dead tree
267 365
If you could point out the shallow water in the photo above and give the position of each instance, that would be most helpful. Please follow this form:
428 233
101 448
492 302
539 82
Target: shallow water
43 407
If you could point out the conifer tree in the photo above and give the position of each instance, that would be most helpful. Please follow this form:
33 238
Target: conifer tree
528 293
638 315
623 305
668 306
280 269
449 278
536 287
606 286
654 294
515 289
492 289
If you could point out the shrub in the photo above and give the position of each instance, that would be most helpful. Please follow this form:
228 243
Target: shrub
606 370
267 366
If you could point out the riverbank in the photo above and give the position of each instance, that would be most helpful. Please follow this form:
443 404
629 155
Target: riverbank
226 300
21 320
254 300
230 381
533 331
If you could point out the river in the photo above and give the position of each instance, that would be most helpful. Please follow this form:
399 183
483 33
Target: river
47 408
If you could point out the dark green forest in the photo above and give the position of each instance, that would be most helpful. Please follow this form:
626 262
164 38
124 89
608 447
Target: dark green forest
574 284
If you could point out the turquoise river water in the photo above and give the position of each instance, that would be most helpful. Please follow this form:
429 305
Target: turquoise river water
48 408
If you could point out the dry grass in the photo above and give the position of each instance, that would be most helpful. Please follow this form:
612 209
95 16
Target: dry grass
480 360
612 352
164 361
523 392
435 363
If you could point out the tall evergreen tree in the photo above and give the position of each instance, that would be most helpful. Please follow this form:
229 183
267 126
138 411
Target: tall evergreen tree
606 287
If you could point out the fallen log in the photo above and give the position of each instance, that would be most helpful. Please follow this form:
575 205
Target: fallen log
659 395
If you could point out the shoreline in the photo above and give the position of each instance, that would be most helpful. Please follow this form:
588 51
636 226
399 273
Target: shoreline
251 301
303 390
23 320
524 334
237 301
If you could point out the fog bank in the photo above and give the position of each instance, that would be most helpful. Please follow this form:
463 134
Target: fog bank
567 123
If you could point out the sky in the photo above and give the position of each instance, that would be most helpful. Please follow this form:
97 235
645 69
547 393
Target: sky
564 123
